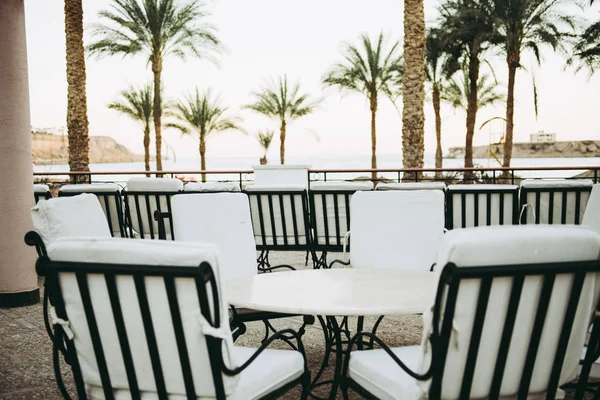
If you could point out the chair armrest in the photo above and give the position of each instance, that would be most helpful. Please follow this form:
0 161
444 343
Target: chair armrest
160 218
374 338
282 334
32 238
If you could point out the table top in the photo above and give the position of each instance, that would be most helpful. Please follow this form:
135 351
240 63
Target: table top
335 292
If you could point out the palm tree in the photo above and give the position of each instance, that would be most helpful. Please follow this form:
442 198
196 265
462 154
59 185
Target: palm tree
587 49
264 139
470 32
77 120
458 94
439 67
278 101
137 105
526 25
373 71
413 86
201 114
157 29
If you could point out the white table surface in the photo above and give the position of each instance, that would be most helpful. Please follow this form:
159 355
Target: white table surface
335 292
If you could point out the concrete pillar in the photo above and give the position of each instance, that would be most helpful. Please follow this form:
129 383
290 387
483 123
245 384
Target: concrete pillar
18 279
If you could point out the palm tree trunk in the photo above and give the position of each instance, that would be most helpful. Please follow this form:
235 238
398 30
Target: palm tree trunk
203 157
147 149
157 110
77 120
438 130
510 111
373 101
413 85
282 144
471 112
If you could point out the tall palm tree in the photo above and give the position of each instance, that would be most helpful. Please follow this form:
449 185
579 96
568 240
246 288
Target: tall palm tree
137 104
470 32
77 120
369 69
439 67
264 139
156 29
201 114
526 25
278 101
413 86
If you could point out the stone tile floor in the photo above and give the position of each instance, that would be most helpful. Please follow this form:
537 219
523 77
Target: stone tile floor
26 370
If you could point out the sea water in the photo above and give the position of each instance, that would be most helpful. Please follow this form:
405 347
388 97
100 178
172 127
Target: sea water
359 161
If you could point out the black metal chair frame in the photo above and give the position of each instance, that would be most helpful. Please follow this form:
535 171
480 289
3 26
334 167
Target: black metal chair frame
39 195
317 243
105 197
447 293
142 198
488 204
284 245
551 192
203 276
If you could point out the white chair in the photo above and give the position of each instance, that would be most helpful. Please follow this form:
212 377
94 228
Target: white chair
553 201
109 195
508 318
481 205
412 186
223 219
147 319
330 215
41 192
396 229
145 196
211 187
280 219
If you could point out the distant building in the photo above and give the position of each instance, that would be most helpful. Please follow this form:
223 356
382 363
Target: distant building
542 137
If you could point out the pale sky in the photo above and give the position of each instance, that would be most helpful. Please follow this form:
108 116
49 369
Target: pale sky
301 39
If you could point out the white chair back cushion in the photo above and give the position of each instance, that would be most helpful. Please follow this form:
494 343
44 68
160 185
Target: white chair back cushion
591 217
111 205
212 187
328 215
293 207
412 186
142 252
222 219
75 216
546 186
141 223
396 229
500 196
503 245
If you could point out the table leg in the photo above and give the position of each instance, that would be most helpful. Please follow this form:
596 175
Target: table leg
332 332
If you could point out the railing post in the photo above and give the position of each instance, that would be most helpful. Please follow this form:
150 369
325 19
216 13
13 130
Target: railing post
494 176
512 176
398 176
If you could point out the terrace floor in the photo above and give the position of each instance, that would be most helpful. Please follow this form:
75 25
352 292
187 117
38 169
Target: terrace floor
26 370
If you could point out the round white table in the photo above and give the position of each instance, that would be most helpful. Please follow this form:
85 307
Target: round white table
335 292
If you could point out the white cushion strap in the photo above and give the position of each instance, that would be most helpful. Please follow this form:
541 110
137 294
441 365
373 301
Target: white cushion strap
345 244
523 210
208 330
66 327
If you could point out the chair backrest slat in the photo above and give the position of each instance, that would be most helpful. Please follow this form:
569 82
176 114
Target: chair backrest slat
481 205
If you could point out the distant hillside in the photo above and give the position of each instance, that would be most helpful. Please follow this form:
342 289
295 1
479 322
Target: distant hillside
583 148
54 149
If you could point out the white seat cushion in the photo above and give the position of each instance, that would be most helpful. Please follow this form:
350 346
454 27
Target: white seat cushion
271 370
412 186
154 185
366 185
212 187
222 219
556 183
379 374
396 229
40 188
90 187
274 188
79 215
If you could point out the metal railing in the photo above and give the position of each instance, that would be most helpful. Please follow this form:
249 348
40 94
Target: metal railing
482 175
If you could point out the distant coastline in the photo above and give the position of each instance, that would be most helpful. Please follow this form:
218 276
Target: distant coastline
578 149
49 149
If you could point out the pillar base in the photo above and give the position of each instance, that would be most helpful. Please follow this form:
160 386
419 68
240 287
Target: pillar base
8 300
